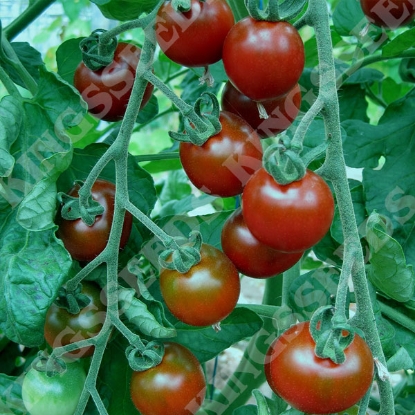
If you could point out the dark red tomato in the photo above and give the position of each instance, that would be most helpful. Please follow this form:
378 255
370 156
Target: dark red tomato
63 328
251 257
107 90
282 111
204 295
263 60
84 242
226 161
389 13
289 218
194 38
314 385
176 386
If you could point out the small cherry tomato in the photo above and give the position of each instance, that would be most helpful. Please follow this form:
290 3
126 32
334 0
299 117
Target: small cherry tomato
204 295
281 111
59 394
226 161
176 386
288 218
63 328
108 90
312 384
85 242
194 38
263 60
251 257
389 13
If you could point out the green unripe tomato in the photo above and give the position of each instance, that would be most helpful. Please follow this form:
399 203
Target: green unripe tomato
59 394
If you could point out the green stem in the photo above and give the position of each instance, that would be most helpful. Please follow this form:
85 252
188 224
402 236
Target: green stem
155 157
397 316
335 170
8 84
26 18
11 57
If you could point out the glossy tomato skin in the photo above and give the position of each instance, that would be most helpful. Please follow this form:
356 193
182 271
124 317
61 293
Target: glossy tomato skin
53 395
84 242
108 90
176 386
314 385
282 111
288 218
251 257
263 60
389 13
63 328
204 295
226 161
194 38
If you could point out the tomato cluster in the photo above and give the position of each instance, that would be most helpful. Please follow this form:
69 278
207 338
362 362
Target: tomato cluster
312 384
176 386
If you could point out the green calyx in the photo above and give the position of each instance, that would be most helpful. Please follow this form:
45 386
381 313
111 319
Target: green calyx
182 257
275 10
200 125
284 165
143 357
72 301
96 52
332 336
50 365
181 5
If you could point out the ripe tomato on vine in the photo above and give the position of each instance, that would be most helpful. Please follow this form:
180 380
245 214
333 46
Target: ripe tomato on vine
272 54
108 90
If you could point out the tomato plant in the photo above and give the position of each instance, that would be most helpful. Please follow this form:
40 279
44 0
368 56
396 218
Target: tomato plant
281 111
107 90
63 328
181 34
233 154
390 13
289 218
204 295
85 242
312 384
262 261
176 386
273 56
52 395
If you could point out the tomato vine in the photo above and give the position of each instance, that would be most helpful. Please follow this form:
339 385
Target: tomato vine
180 257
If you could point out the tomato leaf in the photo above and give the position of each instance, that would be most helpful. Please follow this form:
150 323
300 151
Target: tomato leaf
150 110
206 343
11 117
137 313
348 18
401 360
400 43
33 266
388 167
246 410
68 57
11 395
313 290
387 269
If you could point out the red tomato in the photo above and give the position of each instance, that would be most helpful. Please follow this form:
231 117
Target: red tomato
251 257
84 242
107 90
289 218
389 13
176 386
194 38
63 328
282 111
263 60
204 295
314 385
226 161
